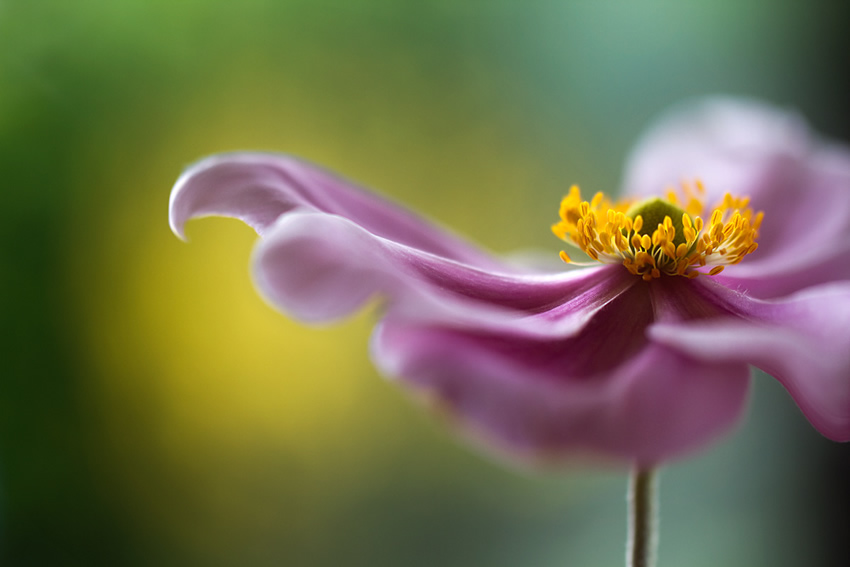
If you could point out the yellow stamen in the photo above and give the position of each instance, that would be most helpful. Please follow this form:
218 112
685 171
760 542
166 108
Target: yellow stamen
656 236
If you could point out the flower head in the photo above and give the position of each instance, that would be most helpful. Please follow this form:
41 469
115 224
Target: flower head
634 358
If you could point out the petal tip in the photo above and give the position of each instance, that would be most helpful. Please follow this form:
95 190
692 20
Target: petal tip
178 209
183 202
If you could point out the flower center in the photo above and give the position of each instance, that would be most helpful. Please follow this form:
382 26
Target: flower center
659 236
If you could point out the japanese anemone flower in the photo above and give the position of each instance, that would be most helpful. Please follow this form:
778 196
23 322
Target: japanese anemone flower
639 358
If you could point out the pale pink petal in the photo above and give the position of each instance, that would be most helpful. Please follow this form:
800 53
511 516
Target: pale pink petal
732 145
258 188
319 268
796 275
803 341
606 391
749 149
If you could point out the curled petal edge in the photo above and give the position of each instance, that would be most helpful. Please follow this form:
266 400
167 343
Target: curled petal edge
260 188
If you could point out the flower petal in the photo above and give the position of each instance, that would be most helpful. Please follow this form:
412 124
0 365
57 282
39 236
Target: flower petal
805 237
320 267
604 392
795 276
258 188
802 340
729 144
753 150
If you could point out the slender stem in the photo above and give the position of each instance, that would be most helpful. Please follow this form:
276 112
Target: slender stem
643 510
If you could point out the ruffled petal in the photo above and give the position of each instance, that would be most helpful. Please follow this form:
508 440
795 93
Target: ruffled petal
753 150
259 188
802 340
319 268
604 392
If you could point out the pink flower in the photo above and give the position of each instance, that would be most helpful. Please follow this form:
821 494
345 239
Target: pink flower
634 359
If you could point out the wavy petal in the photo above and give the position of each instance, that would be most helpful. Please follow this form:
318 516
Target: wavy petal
605 391
320 268
803 341
754 150
259 188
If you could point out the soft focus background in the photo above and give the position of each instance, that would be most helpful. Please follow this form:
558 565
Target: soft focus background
154 411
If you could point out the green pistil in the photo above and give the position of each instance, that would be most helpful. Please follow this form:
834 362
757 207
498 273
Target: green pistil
653 211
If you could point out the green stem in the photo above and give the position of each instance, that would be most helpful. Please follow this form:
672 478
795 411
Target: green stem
643 510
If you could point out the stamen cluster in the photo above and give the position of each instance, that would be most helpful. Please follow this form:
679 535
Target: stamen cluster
678 245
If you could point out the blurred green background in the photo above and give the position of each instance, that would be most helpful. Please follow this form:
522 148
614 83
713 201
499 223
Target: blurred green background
154 411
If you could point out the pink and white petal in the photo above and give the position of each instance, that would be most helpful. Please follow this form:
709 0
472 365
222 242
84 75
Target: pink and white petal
782 277
730 144
319 268
802 340
805 237
754 150
259 188
605 392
